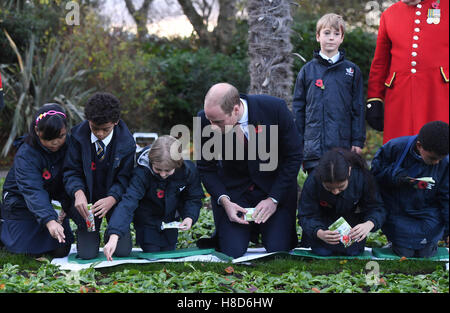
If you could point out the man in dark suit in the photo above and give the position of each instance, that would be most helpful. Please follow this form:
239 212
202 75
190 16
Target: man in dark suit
261 179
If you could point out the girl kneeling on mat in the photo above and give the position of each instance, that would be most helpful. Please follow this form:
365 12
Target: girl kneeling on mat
162 187
340 186
30 223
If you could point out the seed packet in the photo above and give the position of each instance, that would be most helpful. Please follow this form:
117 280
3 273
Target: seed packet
343 228
171 225
90 223
248 215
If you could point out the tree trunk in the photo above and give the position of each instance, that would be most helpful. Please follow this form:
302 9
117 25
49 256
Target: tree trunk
140 17
197 21
269 48
226 25
222 36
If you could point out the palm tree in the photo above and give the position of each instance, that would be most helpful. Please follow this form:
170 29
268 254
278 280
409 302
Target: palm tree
269 48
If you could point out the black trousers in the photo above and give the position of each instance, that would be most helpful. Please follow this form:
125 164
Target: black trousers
278 232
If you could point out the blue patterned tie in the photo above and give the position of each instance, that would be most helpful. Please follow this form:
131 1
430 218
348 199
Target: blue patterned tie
100 146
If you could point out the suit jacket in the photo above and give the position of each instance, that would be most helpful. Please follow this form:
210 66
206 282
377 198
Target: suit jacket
221 177
409 70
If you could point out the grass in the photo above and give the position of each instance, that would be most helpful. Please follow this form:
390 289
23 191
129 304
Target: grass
276 274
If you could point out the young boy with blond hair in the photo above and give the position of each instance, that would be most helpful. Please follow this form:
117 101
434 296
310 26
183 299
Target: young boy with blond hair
328 98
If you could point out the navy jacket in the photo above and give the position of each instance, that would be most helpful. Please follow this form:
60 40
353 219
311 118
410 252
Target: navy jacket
183 193
333 116
415 216
77 168
221 177
33 181
319 208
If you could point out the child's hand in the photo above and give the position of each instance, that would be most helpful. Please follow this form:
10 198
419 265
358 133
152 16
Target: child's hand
81 204
331 237
360 231
110 247
356 149
186 224
102 206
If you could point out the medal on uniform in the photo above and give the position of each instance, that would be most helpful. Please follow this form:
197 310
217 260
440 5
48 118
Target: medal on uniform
434 14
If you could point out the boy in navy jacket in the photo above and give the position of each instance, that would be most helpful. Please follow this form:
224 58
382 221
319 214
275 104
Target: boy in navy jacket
417 208
161 189
98 166
328 101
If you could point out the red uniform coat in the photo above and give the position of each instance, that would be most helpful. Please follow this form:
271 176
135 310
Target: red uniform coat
409 70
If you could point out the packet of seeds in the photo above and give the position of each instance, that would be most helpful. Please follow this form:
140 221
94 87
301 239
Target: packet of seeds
171 225
343 228
248 216
90 223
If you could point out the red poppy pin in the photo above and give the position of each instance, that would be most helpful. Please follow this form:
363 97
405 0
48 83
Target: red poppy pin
160 193
319 83
324 203
258 129
422 185
435 5
93 166
46 174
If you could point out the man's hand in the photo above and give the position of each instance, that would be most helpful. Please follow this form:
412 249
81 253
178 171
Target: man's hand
331 237
56 231
110 247
81 203
263 210
232 210
102 206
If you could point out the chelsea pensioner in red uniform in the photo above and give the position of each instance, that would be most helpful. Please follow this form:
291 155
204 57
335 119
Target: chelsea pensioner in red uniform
409 70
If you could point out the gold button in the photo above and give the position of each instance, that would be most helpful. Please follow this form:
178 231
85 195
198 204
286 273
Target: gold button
417 21
413 70
415 45
418 13
419 6
417 29
414 54
413 63
416 37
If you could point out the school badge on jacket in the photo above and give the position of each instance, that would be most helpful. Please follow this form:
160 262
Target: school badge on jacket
349 71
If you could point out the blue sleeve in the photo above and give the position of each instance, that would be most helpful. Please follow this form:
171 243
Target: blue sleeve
358 110
309 212
122 216
299 103
290 152
122 178
372 206
443 199
30 182
192 195
208 169
383 165
74 178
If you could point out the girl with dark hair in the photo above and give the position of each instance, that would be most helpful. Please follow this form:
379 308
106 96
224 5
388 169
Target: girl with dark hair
30 223
340 186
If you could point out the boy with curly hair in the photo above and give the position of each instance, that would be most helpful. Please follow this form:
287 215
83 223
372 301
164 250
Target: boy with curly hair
98 166
412 173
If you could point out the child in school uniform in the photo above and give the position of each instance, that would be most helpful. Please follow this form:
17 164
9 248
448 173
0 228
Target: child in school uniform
30 223
98 166
162 187
328 101
417 210
340 186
